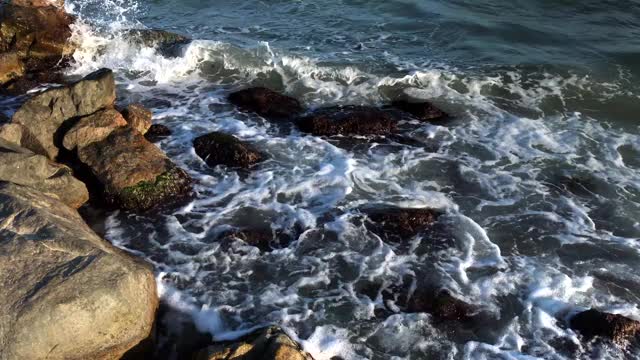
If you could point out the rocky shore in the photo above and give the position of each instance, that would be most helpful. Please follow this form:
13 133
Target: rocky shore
66 293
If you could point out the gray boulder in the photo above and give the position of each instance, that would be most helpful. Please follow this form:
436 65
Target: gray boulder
64 292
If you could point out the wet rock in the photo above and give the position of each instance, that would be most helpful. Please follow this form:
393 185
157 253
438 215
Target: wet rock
400 223
617 328
420 110
44 114
138 117
11 67
167 43
441 305
348 120
38 3
23 167
93 128
30 81
266 102
136 174
66 293
267 344
157 132
39 35
222 149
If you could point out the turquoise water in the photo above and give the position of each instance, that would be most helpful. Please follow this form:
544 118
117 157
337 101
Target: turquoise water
539 171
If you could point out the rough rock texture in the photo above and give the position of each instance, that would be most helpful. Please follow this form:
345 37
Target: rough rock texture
93 128
138 117
38 3
223 149
442 305
135 173
167 43
66 293
348 120
11 67
23 167
17 134
39 35
401 223
266 344
157 132
44 114
266 102
420 110
619 329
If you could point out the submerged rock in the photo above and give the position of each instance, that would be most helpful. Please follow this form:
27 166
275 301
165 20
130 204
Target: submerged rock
167 43
23 167
66 293
441 305
402 223
222 149
138 117
93 128
157 132
11 67
617 328
44 114
136 174
267 344
348 120
420 110
266 102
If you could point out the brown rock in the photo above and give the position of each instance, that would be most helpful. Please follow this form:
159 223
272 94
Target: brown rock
138 117
348 120
11 67
267 344
222 149
442 305
93 128
135 173
401 223
19 135
23 167
38 3
66 293
44 114
617 328
420 110
266 102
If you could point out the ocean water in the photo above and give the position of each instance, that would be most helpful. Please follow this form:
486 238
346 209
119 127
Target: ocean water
538 171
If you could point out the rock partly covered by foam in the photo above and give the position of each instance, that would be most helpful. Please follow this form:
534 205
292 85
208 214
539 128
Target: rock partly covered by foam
166 43
66 293
266 102
441 304
93 128
23 167
43 115
348 120
138 117
267 344
423 111
222 149
617 328
136 174
402 223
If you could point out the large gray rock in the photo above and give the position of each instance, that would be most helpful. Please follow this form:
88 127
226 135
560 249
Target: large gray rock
43 115
21 166
64 292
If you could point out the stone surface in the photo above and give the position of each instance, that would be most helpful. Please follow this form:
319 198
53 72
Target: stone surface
23 167
138 117
135 173
65 292
157 132
266 102
441 305
167 43
93 128
348 120
402 223
38 3
617 328
39 35
17 134
222 149
420 110
266 344
44 114
11 67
